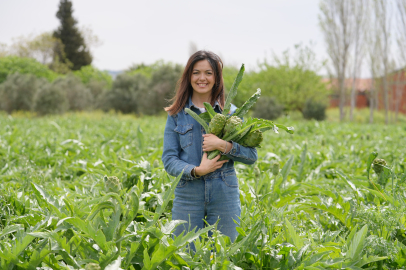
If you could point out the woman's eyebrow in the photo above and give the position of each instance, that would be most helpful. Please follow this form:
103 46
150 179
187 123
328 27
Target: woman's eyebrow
199 70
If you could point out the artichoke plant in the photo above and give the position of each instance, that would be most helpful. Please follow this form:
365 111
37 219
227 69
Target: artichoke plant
233 123
378 165
252 139
217 124
112 184
92 266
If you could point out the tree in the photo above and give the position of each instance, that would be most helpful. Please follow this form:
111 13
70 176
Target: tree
383 22
401 5
337 24
360 23
74 47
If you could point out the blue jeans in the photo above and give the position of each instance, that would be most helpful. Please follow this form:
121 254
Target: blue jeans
210 197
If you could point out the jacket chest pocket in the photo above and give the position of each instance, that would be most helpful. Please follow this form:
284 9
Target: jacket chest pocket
185 134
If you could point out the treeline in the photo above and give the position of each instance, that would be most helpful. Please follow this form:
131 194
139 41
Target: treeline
27 85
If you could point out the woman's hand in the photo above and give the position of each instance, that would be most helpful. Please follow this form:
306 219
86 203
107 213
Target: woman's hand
207 166
212 142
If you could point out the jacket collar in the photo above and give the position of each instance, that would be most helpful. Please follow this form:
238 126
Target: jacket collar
190 105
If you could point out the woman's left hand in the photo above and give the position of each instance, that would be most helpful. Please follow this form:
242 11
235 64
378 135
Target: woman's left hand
212 142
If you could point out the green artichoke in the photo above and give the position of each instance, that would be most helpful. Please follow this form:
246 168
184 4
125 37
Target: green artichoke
378 165
275 168
232 124
217 124
252 139
257 171
112 184
92 266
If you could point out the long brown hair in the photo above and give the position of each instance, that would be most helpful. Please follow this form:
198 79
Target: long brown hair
184 86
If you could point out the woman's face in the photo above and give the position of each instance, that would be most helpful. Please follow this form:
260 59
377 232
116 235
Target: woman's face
202 78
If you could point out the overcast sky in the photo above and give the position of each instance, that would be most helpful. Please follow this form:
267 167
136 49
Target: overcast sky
145 31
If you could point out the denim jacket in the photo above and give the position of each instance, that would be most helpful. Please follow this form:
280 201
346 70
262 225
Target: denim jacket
183 142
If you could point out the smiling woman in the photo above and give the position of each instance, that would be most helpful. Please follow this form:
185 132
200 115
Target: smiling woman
208 189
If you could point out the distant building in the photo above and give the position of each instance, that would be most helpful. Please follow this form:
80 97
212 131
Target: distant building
396 95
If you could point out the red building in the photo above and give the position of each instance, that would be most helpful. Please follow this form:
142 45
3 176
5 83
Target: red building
396 95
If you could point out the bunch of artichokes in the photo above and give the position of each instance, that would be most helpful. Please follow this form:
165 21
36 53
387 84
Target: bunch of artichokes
232 127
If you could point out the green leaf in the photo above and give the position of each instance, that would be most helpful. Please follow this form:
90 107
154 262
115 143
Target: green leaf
366 260
240 112
147 260
166 198
371 158
286 169
96 209
289 130
198 119
355 249
10 229
302 162
248 239
233 90
182 240
205 116
51 201
291 235
209 110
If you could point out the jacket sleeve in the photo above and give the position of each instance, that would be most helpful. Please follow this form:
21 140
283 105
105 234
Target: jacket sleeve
247 155
171 152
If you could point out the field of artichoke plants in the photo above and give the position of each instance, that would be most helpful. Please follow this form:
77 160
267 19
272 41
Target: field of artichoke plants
324 207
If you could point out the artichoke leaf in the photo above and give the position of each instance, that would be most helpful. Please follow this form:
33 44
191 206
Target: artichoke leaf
209 109
248 104
198 119
205 116
233 90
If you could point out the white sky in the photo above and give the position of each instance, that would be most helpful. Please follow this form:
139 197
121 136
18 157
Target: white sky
146 31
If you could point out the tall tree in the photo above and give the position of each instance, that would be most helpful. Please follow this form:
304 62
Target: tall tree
401 7
75 48
360 23
337 24
384 19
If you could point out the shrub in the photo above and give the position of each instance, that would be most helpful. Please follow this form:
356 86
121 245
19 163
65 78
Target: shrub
314 110
124 96
50 99
17 92
78 96
88 74
161 88
14 64
267 108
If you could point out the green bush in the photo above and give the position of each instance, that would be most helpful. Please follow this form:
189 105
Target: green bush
162 86
14 64
17 92
267 108
314 110
78 96
88 74
125 95
50 99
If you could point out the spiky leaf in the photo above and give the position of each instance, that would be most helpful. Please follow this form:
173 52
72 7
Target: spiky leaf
198 119
209 109
233 90
248 104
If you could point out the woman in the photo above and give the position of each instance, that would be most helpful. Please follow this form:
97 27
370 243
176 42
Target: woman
208 189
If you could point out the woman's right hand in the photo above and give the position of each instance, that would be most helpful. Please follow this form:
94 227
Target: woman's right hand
207 166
